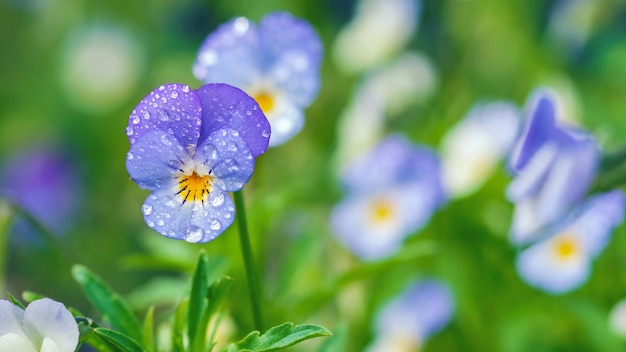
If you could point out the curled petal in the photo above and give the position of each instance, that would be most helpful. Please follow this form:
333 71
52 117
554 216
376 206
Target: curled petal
230 159
192 221
293 56
48 319
154 159
172 108
230 54
228 107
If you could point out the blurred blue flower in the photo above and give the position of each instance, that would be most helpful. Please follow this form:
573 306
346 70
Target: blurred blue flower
554 168
404 323
276 62
44 182
45 325
391 193
563 261
189 147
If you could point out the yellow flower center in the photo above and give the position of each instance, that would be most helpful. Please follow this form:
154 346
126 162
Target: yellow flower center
265 101
566 247
382 210
195 187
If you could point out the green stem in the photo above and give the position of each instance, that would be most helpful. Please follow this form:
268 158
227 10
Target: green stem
248 259
611 173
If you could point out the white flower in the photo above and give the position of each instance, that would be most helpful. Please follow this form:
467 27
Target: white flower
44 326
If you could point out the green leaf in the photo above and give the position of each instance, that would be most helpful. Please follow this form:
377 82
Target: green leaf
30 296
148 331
14 300
121 342
111 305
178 326
217 293
198 301
280 336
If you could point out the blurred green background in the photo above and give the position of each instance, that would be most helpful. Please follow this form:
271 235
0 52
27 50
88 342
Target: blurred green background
52 93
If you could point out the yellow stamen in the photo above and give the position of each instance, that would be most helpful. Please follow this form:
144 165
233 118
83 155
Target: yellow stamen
195 187
566 247
265 101
382 210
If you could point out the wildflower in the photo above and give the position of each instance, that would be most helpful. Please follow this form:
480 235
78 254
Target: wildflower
276 62
617 319
392 192
474 146
423 309
45 183
45 325
380 29
554 165
189 147
562 261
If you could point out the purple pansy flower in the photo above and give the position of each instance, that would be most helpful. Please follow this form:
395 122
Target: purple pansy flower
391 192
404 323
554 168
276 62
189 147
562 261
43 181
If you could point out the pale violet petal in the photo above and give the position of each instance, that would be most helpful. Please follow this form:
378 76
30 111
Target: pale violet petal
286 120
228 156
230 54
11 317
292 53
45 318
155 158
552 268
422 309
193 221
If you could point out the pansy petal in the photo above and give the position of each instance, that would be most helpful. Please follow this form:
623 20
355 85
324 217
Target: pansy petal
597 218
154 158
544 265
173 108
11 317
423 309
539 127
45 318
230 159
15 342
192 221
287 120
293 52
230 54
225 106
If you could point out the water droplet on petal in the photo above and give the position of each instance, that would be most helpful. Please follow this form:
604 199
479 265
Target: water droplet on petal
163 116
265 133
129 131
165 140
145 114
174 94
130 156
218 200
150 224
160 222
185 89
215 225
193 234
146 209
135 120
161 88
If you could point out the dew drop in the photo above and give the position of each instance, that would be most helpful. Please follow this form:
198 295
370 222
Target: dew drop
147 210
150 224
135 119
185 89
174 94
130 156
160 222
218 200
163 116
129 131
215 225
232 147
265 133
193 234
163 100
145 114
165 140
161 88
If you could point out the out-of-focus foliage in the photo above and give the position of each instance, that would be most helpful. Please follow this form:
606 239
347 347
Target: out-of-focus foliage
72 72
